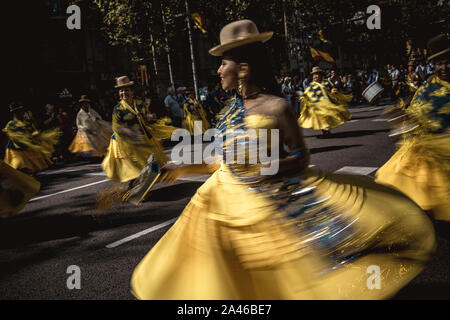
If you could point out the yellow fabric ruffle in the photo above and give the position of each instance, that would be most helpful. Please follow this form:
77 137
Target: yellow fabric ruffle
320 117
318 112
421 170
27 159
16 189
232 244
124 161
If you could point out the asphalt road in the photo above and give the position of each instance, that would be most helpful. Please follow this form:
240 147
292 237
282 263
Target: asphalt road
60 227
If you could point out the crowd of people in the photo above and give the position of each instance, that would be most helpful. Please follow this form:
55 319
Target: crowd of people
298 234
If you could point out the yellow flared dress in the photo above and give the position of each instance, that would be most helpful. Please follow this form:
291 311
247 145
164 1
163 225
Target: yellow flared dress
29 149
421 168
16 188
93 135
319 111
126 157
194 115
304 236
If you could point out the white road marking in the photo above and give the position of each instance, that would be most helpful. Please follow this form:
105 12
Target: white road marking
352 121
380 119
376 108
68 190
357 170
140 234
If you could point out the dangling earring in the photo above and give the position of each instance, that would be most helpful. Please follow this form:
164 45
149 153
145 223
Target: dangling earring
240 86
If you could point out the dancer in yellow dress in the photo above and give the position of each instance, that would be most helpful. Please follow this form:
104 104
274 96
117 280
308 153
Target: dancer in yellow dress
421 168
318 110
134 139
16 188
28 149
194 114
297 234
93 135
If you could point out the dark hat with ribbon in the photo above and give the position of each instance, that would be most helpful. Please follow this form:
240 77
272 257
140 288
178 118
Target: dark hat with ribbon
438 45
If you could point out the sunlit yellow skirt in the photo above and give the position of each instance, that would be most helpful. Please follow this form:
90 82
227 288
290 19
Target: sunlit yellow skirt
318 117
232 244
17 188
409 171
125 161
27 159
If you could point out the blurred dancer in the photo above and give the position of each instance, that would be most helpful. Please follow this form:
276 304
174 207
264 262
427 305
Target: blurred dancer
28 149
135 143
93 135
291 234
194 114
420 168
16 188
321 108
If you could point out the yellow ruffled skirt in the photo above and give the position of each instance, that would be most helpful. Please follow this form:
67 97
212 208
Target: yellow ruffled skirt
30 160
193 124
414 171
125 161
15 190
323 117
232 243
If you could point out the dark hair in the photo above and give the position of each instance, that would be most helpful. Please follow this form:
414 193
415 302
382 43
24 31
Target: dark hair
261 71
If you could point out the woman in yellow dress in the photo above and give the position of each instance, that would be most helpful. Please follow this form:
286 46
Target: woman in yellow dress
16 188
296 234
93 135
194 115
28 149
321 109
420 168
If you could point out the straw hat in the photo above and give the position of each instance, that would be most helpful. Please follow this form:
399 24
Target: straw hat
316 70
237 34
411 63
84 98
123 82
13 107
438 45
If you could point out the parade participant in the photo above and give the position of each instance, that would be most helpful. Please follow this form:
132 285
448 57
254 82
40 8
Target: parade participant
28 149
194 114
134 139
93 135
172 105
291 234
420 168
409 86
319 110
16 188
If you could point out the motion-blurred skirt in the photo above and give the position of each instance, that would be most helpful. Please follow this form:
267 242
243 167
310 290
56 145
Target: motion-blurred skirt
318 117
234 243
27 159
15 190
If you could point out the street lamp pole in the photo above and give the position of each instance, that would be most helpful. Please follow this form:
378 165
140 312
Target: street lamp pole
172 83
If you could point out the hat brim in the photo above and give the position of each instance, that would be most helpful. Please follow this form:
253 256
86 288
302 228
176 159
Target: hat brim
16 108
129 84
438 54
220 49
84 100
320 71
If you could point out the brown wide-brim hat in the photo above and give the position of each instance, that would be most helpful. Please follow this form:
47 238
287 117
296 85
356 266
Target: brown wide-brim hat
316 70
438 45
237 34
84 98
122 82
